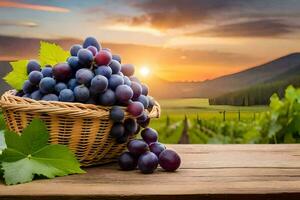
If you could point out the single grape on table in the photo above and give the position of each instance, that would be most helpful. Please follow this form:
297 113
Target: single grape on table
169 160
127 161
147 162
137 147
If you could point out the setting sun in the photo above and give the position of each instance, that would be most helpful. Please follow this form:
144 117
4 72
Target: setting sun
144 71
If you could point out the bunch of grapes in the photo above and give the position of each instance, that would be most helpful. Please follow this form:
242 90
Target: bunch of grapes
147 153
92 75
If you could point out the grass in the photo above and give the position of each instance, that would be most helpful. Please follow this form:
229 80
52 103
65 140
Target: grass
177 109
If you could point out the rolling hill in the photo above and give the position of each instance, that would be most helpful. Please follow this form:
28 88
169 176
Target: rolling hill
283 68
260 93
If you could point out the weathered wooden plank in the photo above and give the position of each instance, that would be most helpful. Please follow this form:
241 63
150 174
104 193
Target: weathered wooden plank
207 172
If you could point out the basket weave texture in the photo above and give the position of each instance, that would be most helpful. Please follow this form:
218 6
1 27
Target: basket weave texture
84 128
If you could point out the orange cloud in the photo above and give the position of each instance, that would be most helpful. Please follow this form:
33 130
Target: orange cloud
18 23
13 4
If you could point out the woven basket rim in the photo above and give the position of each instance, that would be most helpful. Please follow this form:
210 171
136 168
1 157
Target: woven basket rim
10 101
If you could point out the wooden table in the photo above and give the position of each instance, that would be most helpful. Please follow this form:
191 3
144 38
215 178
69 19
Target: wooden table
207 172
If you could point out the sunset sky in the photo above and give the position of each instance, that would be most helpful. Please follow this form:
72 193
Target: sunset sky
180 40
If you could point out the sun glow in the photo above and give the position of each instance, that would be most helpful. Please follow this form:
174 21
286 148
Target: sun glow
144 71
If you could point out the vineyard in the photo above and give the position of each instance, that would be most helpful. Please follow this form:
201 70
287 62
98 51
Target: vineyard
278 123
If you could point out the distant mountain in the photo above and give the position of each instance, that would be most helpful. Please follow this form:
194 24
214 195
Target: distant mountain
272 77
283 68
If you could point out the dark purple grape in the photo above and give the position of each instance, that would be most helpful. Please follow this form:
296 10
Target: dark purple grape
114 81
143 117
20 93
116 114
123 139
84 76
66 95
47 72
93 49
117 57
91 101
134 79
33 65
81 93
127 81
73 62
127 69
91 41
60 86
123 93
151 102
50 97
136 88
47 85
144 123
135 109
72 83
143 120
108 98
74 49
144 89
103 58
104 71
127 161
156 148
99 84
130 126
62 72
27 95
85 57
144 100
115 66
137 147
147 163
149 135
35 77
93 92
36 95
169 160
117 130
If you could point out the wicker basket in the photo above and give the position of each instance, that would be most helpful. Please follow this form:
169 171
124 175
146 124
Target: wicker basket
84 128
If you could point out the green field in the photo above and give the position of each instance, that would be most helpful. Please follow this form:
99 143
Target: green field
177 109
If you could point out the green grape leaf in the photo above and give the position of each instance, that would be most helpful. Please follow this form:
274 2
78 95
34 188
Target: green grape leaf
51 54
291 93
28 155
18 75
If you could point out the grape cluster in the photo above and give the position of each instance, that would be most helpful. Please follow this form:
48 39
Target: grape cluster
147 153
94 75
91 75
